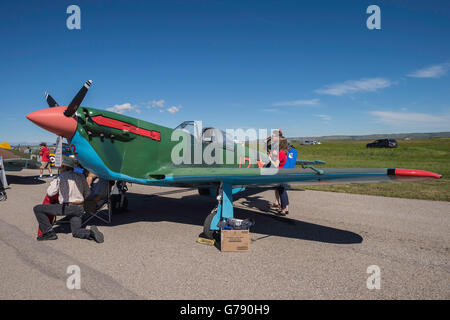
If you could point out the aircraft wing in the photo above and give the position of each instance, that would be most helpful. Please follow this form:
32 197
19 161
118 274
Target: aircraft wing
266 176
17 164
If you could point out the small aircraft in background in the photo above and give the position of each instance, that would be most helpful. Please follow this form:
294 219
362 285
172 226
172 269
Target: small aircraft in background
12 163
118 147
9 162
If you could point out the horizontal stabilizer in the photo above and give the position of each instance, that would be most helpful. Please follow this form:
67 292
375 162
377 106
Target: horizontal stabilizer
308 162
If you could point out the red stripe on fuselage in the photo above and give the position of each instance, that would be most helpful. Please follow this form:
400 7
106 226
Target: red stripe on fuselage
116 124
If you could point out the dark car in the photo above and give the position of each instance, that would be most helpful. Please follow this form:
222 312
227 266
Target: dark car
383 143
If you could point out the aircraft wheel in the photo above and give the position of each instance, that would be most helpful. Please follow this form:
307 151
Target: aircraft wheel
203 191
210 234
125 204
115 204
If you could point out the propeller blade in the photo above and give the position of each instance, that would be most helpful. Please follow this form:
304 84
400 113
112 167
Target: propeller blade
51 102
76 101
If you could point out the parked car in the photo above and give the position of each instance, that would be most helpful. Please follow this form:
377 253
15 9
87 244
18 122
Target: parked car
309 142
383 143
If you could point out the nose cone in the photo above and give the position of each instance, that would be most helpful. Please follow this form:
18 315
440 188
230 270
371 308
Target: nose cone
54 120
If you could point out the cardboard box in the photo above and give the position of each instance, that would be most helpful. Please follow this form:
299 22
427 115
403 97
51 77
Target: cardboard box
235 240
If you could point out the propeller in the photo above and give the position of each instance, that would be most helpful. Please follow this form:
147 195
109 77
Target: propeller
76 101
68 112
51 102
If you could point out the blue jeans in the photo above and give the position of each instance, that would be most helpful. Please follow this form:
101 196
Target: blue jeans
283 197
75 212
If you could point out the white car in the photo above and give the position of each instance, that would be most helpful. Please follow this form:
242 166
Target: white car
309 142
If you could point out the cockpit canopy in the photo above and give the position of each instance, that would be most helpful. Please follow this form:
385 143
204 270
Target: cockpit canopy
208 134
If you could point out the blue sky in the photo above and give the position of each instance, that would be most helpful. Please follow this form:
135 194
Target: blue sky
309 67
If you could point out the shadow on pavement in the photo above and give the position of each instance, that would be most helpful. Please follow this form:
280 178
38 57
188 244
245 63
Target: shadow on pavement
25 180
193 209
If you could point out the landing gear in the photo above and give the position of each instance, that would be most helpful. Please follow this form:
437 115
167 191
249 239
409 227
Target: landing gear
210 234
204 191
222 211
118 199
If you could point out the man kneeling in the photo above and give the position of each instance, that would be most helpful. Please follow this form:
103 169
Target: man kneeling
72 189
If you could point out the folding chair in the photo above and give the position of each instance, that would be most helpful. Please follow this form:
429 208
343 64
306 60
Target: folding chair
97 213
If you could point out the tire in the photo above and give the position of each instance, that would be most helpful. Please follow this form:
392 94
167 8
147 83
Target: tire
125 203
210 234
203 191
115 204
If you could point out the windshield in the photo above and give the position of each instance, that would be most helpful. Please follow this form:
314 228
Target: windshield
209 134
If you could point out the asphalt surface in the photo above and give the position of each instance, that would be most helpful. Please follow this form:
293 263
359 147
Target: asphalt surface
150 252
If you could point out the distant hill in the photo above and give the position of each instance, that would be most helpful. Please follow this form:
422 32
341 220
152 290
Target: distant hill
378 136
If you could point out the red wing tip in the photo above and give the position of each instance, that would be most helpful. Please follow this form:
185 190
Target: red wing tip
416 173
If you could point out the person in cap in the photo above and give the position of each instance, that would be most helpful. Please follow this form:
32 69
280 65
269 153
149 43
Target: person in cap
45 163
72 189
278 156
99 192
281 204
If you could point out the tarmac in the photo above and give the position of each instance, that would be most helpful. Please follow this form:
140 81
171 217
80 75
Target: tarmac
321 251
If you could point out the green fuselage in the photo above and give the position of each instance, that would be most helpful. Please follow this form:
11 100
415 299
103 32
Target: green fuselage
143 150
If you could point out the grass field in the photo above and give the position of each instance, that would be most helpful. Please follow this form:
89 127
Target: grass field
423 154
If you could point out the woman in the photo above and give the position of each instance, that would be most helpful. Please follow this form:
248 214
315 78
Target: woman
278 159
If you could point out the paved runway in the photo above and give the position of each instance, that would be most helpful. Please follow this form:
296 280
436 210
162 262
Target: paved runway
321 252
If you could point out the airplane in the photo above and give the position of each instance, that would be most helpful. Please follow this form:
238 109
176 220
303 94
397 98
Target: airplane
12 163
118 147
8 162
